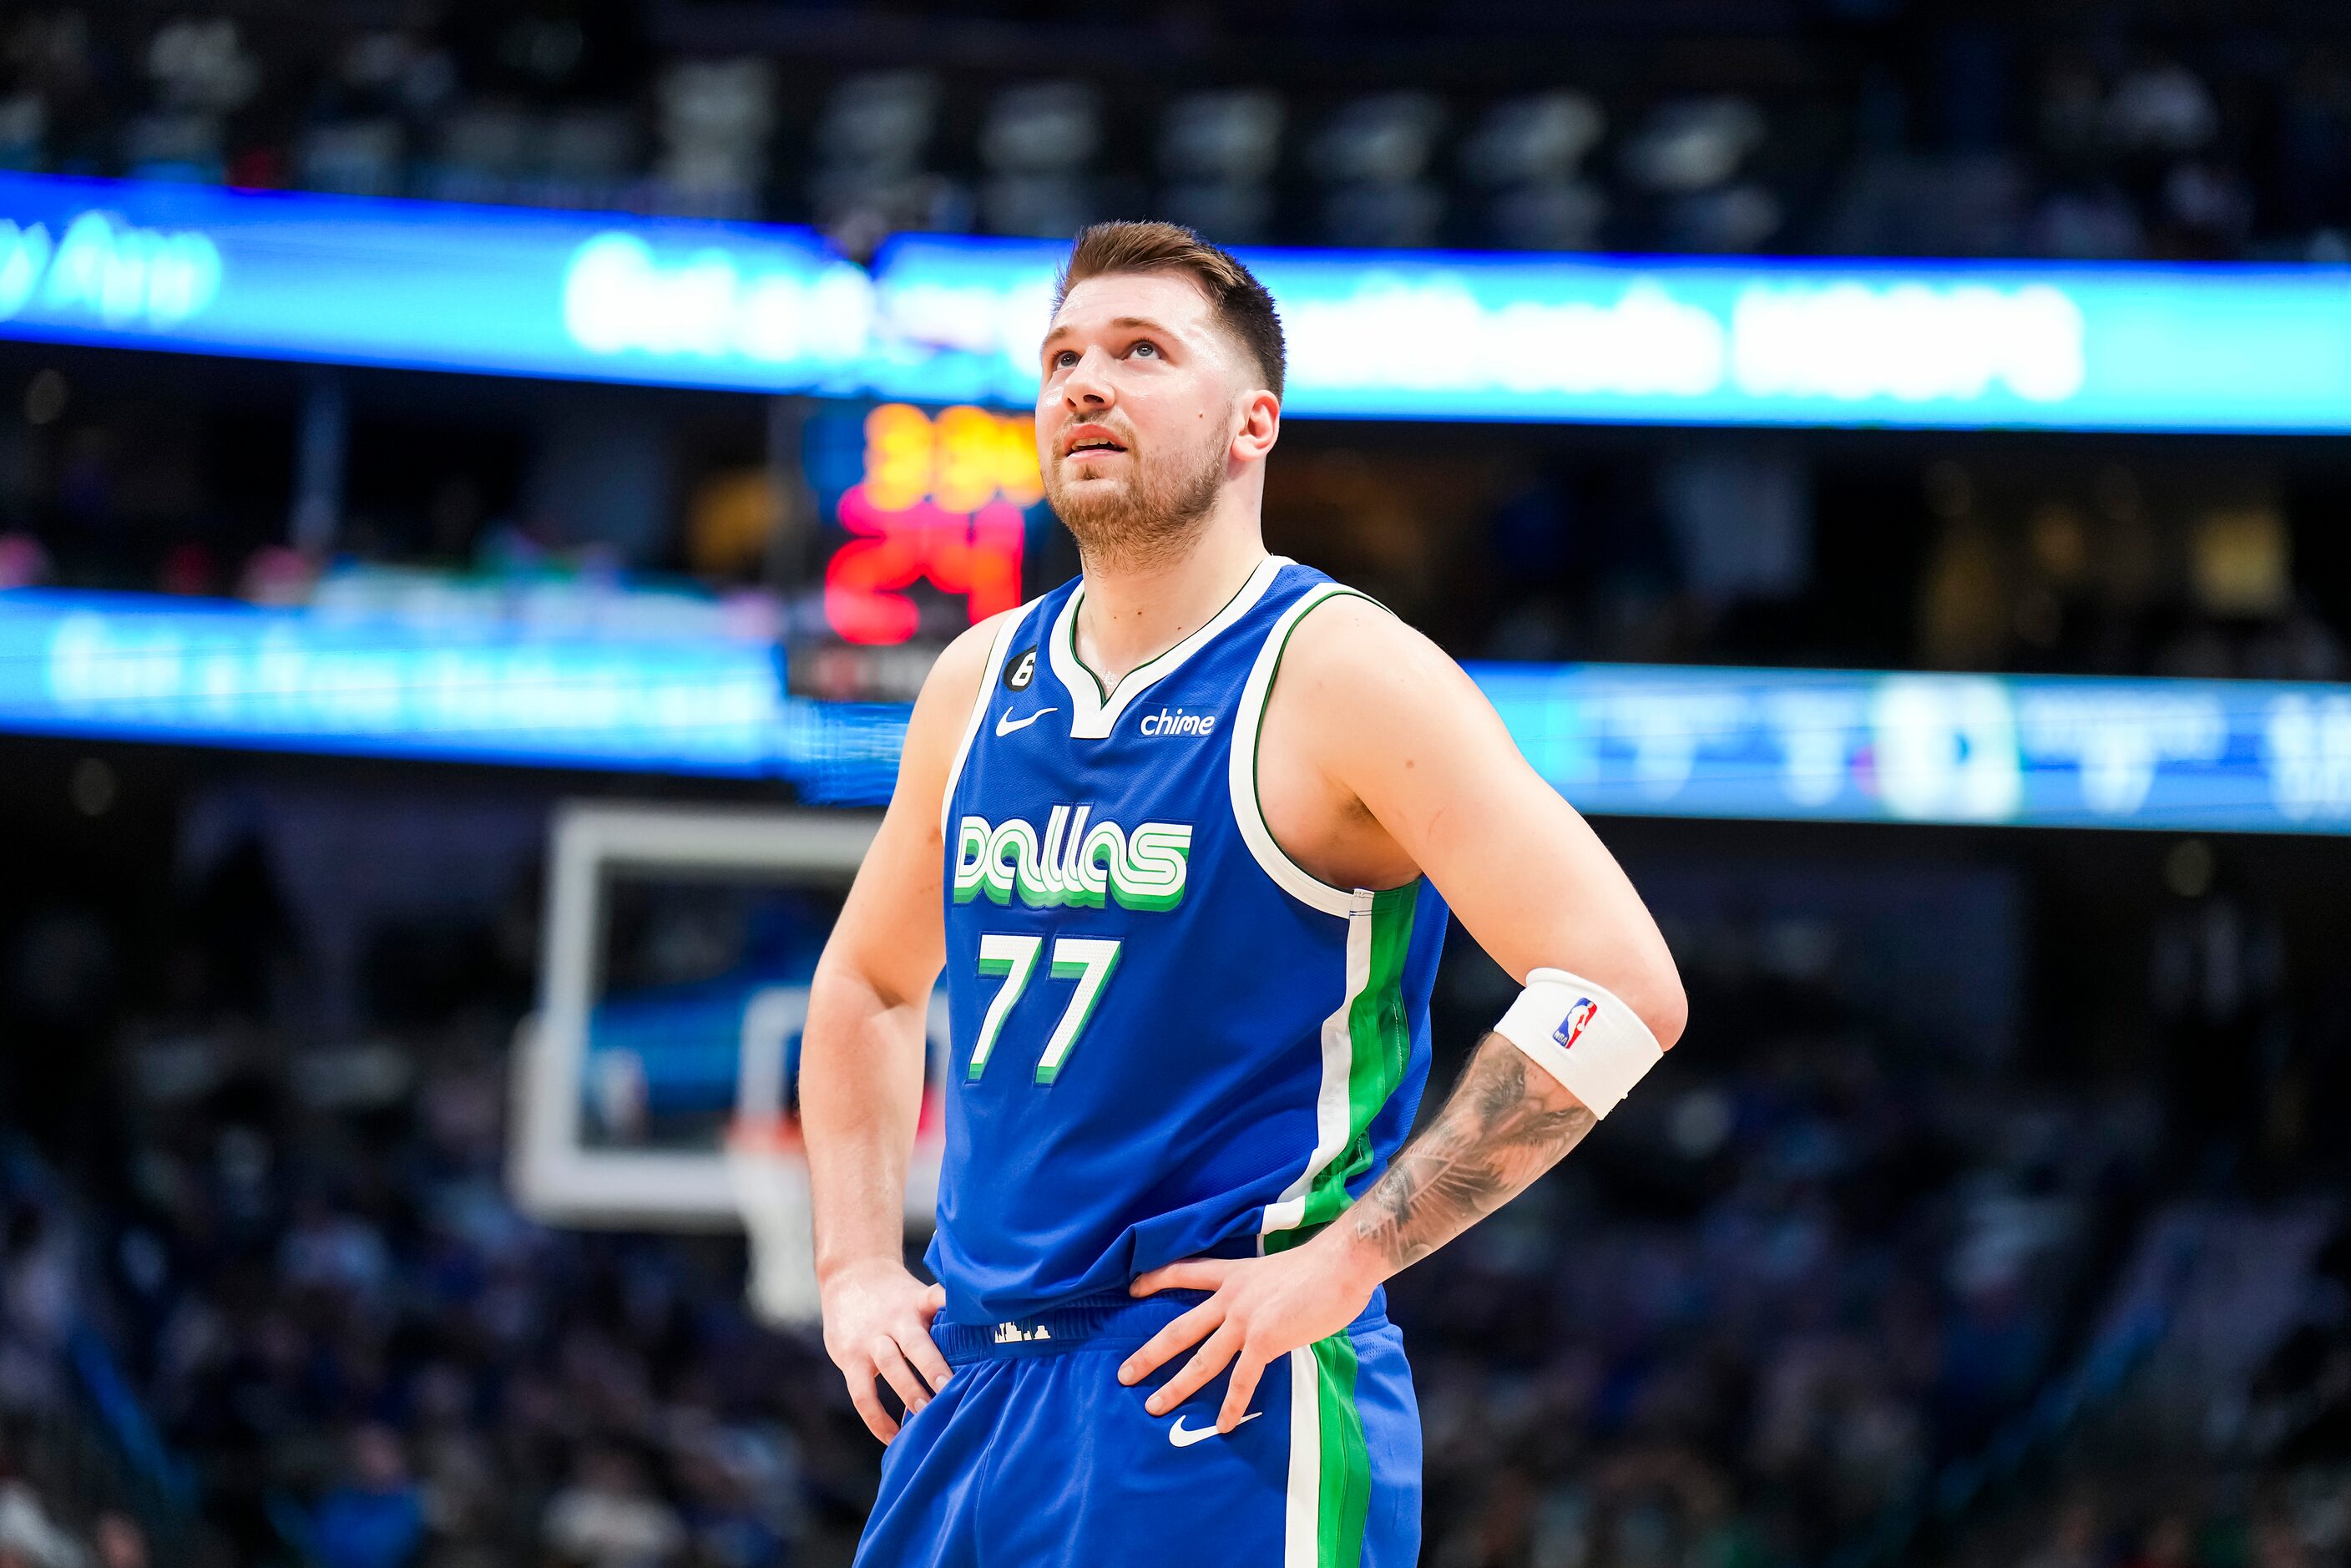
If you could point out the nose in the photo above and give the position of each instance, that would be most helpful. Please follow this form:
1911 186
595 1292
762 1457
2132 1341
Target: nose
1088 383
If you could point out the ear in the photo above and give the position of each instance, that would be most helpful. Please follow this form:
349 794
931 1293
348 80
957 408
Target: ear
1259 425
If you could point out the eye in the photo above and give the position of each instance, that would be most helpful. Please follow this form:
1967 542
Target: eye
1064 358
1146 349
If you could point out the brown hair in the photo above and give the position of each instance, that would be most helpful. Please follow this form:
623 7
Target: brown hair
1237 298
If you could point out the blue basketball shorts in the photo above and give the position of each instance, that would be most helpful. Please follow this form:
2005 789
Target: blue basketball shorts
1034 1455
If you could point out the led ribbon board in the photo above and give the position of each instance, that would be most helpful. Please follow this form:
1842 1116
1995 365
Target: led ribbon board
2220 756
1374 335
135 667
1404 335
428 286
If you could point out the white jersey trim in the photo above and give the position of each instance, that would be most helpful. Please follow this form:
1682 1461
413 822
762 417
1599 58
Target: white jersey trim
1093 716
1330 1103
1287 873
997 652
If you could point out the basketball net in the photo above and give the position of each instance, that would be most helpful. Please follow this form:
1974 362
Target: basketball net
767 1164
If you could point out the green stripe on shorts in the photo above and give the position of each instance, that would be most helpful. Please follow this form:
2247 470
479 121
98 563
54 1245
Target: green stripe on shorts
1346 1468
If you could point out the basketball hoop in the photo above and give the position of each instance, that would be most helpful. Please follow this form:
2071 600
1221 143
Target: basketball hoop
666 1123
767 1164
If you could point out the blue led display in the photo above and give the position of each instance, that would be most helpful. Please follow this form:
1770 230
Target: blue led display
426 285
2226 756
230 674
1395 335
1386 334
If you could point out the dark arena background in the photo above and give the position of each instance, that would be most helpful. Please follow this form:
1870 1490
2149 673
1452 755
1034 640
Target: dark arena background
480 482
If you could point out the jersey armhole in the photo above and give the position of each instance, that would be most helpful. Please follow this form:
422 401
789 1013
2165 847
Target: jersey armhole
997 652
1248 726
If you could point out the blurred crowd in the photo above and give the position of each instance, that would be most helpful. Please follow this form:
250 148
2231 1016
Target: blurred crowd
1755 1375
377 1356
371 1361
1741 551
1839 126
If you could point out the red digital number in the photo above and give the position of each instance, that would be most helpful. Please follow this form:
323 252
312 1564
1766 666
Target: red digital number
941 503
976 554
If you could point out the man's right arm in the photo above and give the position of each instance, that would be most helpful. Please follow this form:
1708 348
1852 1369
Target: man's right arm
862 1057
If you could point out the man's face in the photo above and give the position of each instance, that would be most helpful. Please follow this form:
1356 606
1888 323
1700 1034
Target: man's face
1136 413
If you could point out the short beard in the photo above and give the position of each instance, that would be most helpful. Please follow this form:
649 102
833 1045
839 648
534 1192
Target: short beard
1149 523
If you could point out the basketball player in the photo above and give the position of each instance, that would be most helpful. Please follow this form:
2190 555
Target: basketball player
1183 833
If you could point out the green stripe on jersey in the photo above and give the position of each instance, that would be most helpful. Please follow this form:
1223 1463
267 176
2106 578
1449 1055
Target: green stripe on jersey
1379 1039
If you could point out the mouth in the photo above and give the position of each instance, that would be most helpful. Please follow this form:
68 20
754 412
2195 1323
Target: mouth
1090 441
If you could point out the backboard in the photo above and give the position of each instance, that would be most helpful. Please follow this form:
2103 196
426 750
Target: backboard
653 1085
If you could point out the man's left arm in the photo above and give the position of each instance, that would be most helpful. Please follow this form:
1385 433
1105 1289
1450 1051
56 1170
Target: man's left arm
1395 725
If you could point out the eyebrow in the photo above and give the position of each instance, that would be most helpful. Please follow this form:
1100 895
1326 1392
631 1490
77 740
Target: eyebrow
1140 323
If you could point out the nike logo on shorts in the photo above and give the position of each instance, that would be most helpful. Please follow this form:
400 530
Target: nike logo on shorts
1183 1436
1006 724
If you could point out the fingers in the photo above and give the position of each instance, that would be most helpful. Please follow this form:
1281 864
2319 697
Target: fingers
906 1363
924 1352
1192 1274
1206 1363
877 1325
869 1404
1247 1370
1160 1347
892 1364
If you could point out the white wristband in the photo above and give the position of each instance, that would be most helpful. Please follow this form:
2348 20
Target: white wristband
1581 1035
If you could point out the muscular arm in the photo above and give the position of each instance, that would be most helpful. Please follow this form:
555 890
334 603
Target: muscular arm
1506 1122
1390 761
1443 783
861 1082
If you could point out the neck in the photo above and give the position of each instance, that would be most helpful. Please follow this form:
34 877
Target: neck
1131 614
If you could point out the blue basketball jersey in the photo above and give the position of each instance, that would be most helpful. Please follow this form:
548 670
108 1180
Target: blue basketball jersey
1169 1039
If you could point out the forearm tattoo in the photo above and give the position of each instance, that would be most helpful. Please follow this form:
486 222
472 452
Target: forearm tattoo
1506 1123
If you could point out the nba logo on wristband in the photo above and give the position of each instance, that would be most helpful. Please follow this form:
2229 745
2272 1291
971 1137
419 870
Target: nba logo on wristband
1617 1047
1577 1017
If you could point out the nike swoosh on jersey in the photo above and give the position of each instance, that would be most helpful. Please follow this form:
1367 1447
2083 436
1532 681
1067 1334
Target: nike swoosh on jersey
1005 724
1183 1436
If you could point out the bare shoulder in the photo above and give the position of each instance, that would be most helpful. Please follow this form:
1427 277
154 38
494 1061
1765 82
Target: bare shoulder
1359 657
1369 699
1370 730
